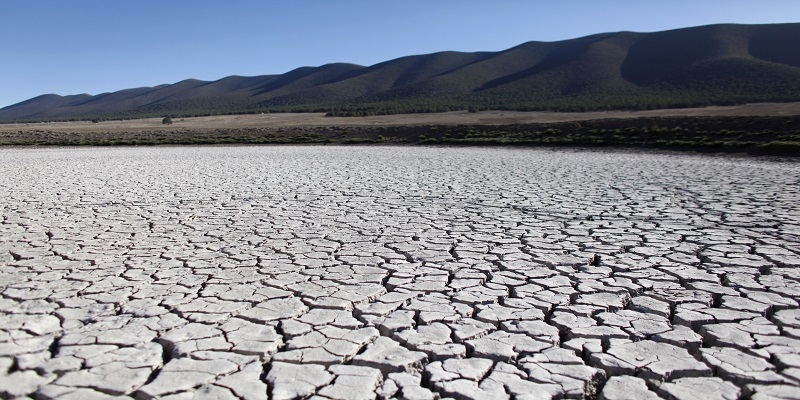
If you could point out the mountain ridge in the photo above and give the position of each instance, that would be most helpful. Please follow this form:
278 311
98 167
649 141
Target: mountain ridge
706 65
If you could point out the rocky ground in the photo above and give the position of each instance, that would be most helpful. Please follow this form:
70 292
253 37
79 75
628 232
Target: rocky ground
397 272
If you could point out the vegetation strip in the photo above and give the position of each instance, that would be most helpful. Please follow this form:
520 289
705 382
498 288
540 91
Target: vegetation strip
754 135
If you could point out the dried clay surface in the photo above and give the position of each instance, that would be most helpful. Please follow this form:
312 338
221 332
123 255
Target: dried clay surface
409 273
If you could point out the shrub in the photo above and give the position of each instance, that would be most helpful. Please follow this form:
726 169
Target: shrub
781 148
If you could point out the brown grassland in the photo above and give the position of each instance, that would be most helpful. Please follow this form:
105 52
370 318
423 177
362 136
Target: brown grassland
768 128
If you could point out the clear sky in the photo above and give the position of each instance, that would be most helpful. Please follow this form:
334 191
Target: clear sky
96 46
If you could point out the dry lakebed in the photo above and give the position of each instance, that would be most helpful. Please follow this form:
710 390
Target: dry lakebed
329 272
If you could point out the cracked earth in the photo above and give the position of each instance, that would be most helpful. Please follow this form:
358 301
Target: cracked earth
415 273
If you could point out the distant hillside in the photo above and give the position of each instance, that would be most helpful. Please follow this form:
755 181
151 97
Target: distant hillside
716 64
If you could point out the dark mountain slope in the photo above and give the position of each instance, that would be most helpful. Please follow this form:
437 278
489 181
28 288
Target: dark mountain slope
775 43
51 101
470 76
590 65
663 54
305 78
716 64
724 78
368 83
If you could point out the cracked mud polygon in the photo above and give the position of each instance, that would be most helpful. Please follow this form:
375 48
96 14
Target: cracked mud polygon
388 272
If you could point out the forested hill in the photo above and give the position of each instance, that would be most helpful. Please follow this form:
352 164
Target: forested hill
715 64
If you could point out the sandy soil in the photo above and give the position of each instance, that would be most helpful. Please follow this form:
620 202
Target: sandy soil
454 118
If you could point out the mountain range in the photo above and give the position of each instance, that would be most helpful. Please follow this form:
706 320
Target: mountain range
698 66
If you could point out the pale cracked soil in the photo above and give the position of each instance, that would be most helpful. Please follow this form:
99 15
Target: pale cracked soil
380 272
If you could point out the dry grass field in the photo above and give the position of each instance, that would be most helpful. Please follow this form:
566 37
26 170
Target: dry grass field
768 128
448 118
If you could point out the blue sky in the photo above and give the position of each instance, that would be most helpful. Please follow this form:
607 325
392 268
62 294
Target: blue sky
94 46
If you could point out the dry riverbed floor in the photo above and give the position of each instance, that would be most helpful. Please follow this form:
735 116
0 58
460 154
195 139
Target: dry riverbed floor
397 272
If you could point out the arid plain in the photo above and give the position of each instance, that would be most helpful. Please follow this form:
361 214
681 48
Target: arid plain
766 129
449 118
330 272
